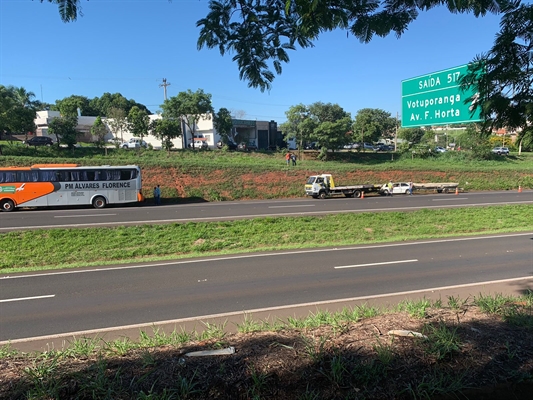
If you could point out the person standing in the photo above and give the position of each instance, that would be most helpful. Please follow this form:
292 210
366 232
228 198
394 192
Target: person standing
390 188
288 158
157 195
293 158
410 188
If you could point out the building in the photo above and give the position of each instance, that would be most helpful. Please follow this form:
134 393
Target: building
262 134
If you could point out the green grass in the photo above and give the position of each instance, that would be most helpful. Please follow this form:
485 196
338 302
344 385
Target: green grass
61 248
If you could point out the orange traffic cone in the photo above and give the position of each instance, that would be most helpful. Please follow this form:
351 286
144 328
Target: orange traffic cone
456 190
362 195
519 189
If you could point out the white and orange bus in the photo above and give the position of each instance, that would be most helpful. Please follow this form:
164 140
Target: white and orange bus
44 185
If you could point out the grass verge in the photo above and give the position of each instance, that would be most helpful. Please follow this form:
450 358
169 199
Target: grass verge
65 248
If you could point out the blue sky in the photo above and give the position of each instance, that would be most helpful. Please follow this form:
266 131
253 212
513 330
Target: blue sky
129 46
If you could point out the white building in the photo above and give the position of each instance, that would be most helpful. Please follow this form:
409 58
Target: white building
262 134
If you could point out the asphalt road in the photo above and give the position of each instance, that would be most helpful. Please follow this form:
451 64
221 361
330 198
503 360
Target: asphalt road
217 211
72 302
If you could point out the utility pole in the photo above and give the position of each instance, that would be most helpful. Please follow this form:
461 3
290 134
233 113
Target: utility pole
396 132
164 86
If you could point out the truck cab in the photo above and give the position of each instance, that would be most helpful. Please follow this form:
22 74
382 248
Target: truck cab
319 185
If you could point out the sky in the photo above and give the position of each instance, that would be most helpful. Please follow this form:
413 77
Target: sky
129 46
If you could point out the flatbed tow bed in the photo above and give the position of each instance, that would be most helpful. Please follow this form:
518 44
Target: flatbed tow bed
445 187
322 186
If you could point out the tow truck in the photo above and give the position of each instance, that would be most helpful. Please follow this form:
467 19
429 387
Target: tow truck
323 185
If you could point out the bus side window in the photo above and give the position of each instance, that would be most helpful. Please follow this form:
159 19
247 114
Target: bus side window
127 174
63 176
8 177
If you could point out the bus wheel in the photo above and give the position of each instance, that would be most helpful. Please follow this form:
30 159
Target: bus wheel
7 205
322 195
99 202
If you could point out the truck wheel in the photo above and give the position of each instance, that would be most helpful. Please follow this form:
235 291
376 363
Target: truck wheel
357 194
322 195
7 205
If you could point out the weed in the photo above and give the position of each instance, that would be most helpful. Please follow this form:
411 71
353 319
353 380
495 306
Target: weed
84 346
434 384
455 303
259 381
315 348
384 351
213 331
415 309
337 369
120 346
442 341
249 325
7 351
492 304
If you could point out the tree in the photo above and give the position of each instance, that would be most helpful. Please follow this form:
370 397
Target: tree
23 97
102 105
504 76
166 130
189 107
117 122
223 124
412 135
138 122
69 106
373 123
328 125
99 130
298 125
64 129
17 113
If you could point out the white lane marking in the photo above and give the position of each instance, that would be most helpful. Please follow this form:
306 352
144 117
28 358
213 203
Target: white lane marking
257 310
374 264
297 205
86 215
28 298
230 257
237 217
451 198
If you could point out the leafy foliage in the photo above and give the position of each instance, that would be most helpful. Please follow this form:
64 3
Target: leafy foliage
298 125
138 122
373 123
504 76
189 107
223 124
17 110
117 121
64 129
99 130
166 130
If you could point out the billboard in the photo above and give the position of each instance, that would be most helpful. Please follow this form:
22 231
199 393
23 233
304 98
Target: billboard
437 99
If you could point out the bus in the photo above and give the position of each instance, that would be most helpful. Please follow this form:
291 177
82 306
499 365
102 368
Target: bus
45 185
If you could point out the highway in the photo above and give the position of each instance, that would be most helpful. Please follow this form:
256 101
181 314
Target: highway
62 302
219 211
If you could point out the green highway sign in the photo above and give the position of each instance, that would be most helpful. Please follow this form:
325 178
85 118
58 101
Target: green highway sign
437 99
